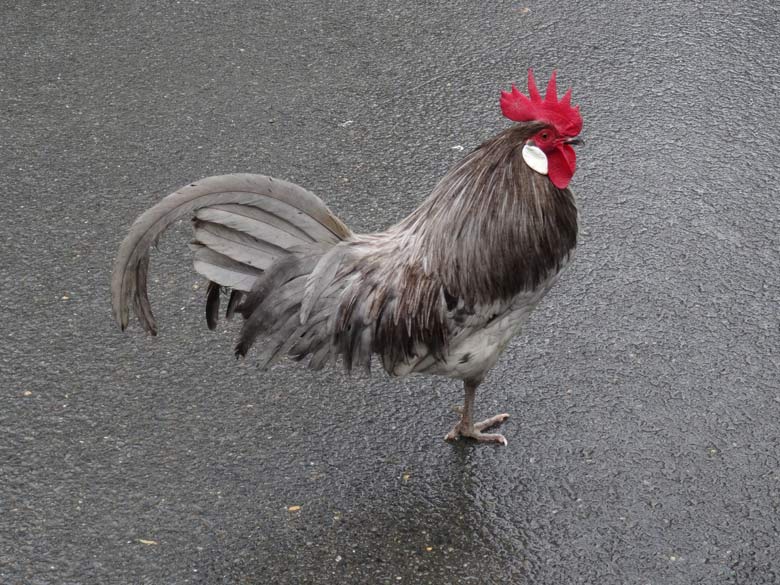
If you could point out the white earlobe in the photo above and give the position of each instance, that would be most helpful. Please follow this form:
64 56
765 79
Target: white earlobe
535 158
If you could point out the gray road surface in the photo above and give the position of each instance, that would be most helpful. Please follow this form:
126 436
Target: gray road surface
644 446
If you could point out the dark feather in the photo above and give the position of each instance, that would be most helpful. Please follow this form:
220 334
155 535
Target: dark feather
320 357
236 296
212 305
141 303
281 339
277 296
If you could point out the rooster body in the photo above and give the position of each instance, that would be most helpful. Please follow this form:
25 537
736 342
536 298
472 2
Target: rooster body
441 292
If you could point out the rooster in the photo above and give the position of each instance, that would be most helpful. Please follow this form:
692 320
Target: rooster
441 292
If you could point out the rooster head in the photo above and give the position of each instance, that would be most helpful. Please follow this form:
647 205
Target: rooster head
549 151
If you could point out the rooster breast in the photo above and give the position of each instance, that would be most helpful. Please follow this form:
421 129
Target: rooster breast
479 336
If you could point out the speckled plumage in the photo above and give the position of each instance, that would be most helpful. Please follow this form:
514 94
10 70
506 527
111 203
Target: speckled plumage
441 292
458 276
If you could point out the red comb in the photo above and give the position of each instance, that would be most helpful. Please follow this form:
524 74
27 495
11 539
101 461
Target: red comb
517 107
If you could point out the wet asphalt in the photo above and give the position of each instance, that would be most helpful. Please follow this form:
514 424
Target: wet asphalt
644 443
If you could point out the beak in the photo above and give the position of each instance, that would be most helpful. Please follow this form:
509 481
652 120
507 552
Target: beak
575 141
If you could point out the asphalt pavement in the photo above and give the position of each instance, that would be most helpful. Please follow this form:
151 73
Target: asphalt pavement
644 443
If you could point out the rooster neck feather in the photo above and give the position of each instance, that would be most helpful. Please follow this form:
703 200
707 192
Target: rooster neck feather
493 227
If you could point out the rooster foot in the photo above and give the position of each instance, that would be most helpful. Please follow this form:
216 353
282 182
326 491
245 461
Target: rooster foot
474 431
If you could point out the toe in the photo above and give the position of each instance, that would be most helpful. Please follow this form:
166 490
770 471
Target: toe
493 421
490 438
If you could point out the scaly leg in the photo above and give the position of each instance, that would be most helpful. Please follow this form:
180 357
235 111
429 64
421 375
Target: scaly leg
467 428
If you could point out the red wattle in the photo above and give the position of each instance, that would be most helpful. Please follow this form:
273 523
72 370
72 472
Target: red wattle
561 162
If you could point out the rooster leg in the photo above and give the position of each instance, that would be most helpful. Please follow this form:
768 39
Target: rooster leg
466 427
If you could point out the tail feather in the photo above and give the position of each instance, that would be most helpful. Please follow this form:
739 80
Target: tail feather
284 337
223 269
283 271
265 227
321 357
212 305
237 245
277 215
236 296
312 335
272 309
141 304
264 312
320 278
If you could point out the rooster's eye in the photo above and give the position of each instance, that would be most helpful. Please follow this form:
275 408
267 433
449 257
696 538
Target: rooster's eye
544 136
